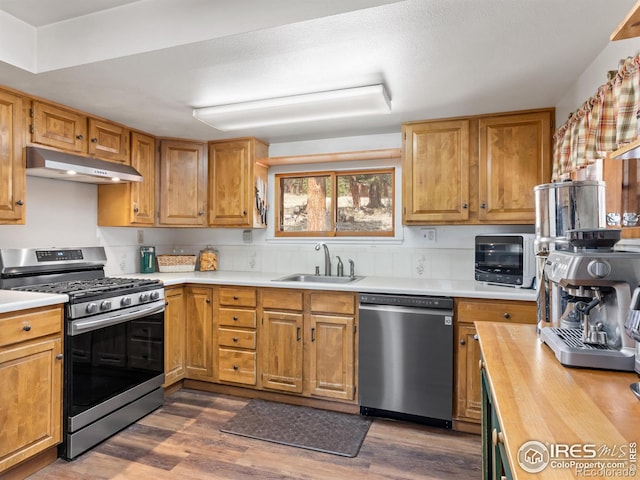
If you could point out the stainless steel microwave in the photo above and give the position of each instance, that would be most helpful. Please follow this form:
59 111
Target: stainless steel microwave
506 259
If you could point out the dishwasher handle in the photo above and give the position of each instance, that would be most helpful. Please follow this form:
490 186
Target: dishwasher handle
399 309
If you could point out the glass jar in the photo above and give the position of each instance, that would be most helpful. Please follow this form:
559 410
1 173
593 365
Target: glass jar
208 259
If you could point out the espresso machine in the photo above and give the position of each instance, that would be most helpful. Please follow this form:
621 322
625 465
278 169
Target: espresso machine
595 285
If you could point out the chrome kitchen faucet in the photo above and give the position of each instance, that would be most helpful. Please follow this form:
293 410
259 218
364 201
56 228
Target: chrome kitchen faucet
327 257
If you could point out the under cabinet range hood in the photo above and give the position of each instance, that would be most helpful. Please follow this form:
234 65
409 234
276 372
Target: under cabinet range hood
42 162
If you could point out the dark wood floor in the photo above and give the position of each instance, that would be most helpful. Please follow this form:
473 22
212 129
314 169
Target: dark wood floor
182 441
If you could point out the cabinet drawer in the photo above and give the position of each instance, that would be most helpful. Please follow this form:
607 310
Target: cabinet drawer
27 325
496 311
282 299
237 366
333 302
239 297
236 338
237 318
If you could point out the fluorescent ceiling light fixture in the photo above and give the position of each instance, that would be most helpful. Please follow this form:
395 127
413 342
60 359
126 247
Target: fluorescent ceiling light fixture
350 102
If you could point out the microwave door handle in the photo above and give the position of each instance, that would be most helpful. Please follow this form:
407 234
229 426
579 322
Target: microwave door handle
78 327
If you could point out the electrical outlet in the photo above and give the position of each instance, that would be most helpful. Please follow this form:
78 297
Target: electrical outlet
140 237
428 235
247 236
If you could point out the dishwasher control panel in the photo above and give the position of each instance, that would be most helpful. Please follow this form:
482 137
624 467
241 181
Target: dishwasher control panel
417 301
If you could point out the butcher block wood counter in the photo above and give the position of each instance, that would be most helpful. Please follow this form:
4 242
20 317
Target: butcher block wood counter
535 398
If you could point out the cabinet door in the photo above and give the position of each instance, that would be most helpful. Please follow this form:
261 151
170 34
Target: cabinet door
12 170
230 184
56 127
174 336
468 395
183 180
281 347
125 204
515 156
435 172
31 412
109 141
199 365
331 356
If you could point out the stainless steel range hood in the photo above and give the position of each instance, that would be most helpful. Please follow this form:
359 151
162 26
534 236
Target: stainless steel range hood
42 162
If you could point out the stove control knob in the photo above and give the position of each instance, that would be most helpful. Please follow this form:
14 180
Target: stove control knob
126 301
105 305
155 295
92 308
598 268
144 297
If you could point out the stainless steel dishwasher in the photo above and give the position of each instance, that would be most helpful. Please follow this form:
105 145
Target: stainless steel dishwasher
405 359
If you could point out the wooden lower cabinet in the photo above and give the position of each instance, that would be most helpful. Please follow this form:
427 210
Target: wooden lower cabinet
31 364
308 343
235 336
175 336
199 332
467 408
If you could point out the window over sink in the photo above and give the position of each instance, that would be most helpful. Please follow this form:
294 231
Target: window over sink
335 203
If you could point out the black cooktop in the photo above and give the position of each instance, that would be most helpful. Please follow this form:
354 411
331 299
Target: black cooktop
105 286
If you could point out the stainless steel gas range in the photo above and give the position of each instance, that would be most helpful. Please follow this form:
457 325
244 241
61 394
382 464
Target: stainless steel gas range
113 339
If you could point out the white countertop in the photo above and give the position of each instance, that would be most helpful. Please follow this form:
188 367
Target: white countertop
11 300
449 288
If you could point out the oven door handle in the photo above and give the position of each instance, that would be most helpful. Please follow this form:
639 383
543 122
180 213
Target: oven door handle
78 327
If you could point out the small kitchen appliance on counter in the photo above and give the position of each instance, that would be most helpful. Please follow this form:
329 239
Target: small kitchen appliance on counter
505 259
147 259
595 282
561 207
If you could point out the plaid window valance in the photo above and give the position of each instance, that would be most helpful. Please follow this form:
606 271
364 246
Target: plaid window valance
604 123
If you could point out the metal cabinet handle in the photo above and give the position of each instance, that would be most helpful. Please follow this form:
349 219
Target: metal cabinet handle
80 137
94 140
235 297
496 437
235 339
313 334
136 209
235 367
506 315
462 341
475 337
59 356
480 364
235 318
483 205
200 213
208 300
298 334
26 328
20 202
464 205
244 213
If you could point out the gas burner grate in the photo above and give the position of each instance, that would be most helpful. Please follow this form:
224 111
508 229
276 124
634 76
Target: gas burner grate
86 287
572 337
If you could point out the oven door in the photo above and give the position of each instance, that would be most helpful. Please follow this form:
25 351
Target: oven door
111 362
499 259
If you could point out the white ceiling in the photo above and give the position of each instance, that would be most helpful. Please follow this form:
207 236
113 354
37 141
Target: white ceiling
148 63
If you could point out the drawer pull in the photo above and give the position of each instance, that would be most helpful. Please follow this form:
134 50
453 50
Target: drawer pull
480 364
235 297
208 300
235 339
462 341
235 367
59 356
475 337
235 318
507 315
298 334
313 334
26 328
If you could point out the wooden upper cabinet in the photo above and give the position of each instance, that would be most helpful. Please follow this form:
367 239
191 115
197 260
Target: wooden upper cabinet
233 172
109 141
514 157
435 172
183 183
126 204
57 127
12 169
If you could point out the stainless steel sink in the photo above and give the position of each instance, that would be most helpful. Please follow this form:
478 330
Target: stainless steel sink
309 278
